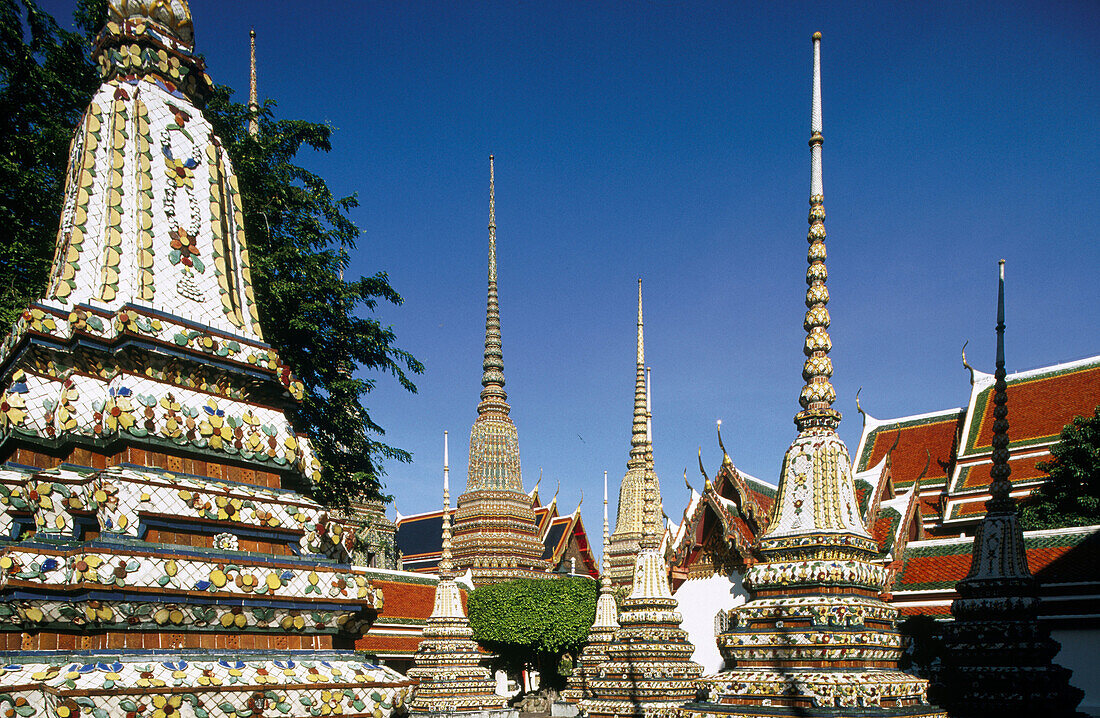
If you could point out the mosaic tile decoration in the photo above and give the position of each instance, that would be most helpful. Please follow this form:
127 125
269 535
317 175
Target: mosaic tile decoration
201 686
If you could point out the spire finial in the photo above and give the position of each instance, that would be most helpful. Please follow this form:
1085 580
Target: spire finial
493 396
445 566
639 440
818 393
1000 501
605 579
253 103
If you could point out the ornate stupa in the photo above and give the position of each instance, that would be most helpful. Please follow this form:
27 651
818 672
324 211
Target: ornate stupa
448 664
630 516
998 658
496 533
815 638
603 627
648 671
156 554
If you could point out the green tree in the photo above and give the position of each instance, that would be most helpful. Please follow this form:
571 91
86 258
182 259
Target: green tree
535 618
46 78
299 234
1072 498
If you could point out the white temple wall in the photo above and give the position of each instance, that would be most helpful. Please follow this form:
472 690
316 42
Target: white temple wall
700 601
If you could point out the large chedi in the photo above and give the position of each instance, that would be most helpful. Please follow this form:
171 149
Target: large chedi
156 557
496 535
815 638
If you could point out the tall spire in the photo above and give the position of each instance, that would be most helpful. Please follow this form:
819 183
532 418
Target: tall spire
1000 472
639 439
815 636
446 568
493 396
253 103
818 393
496 533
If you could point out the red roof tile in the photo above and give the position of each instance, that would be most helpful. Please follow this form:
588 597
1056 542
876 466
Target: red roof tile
937 436
1038 408
977 475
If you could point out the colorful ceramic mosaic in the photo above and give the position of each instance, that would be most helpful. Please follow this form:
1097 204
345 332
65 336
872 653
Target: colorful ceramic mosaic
815 638
206 687
156 558
495 534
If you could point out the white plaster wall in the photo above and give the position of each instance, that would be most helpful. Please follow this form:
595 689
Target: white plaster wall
700 600
1081 654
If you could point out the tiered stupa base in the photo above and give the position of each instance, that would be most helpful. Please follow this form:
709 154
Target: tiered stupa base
146 683
649 672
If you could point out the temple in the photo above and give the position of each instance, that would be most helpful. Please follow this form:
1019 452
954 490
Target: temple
814 637
496 535
156 550
630 516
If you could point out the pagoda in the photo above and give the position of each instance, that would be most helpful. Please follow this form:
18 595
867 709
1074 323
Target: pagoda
630 515
496 534
648 671
814 638
157 556
603 627
452 680
998 657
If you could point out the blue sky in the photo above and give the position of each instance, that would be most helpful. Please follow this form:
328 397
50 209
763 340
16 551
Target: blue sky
668 141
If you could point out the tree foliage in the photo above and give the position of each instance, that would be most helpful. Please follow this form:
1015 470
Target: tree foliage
540 618
299 234
46 78
1072 497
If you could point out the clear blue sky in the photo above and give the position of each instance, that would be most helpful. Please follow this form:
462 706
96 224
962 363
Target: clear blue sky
668 141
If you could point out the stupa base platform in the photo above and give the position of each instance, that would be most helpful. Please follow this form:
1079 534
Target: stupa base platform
813 694
194 684
630 709
563 709
491 713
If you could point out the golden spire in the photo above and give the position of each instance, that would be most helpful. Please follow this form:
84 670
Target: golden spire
818 393
253 104
639 439
493 396
446 568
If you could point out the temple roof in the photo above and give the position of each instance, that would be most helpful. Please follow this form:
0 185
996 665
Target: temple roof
955 486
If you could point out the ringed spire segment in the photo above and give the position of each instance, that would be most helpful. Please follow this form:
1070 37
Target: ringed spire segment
818 394
493 395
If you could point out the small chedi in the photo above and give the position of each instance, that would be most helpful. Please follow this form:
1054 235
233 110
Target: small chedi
648 671
603 627
451 677
815 638
998 656
496 535
157 556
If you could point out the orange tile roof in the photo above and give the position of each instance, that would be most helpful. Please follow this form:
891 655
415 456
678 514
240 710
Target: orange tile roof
977 475
387 644
936 435
1038 408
